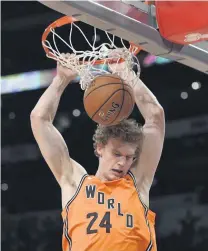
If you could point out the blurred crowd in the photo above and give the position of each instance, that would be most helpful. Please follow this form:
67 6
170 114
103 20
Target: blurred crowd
41 231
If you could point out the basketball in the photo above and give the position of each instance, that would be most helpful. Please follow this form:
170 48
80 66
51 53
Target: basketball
108 100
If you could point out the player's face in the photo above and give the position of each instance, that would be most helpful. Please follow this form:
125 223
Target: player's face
116 158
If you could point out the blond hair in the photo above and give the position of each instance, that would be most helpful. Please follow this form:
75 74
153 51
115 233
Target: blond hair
127 130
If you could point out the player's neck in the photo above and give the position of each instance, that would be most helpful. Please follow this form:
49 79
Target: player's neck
100 175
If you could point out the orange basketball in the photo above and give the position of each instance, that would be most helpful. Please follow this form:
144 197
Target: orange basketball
108 100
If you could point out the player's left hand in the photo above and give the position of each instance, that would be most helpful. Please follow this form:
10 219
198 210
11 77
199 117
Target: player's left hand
121 69
117 67
68 73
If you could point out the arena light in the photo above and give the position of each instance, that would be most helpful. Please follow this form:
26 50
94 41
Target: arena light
196 85
184 95
26 81
96 38
151 60
4 186
12 115
76 112
62 122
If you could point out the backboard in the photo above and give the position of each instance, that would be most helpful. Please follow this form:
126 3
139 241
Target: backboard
133 21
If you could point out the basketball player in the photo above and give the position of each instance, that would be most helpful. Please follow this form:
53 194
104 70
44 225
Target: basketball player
108 211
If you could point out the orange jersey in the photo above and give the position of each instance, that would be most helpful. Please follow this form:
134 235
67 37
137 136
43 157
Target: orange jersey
108 216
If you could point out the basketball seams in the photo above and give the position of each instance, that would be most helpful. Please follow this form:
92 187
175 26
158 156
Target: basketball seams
124 90
110 93
103 86
132 101
121 104
106 102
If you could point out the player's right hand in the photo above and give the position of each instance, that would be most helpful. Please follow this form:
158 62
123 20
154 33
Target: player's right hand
63 71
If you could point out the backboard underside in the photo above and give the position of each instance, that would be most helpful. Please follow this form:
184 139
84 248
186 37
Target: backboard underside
133 23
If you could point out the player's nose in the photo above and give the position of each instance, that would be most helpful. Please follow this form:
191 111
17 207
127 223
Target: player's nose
122 161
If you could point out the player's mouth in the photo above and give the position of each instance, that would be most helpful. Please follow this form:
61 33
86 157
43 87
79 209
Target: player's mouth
117 171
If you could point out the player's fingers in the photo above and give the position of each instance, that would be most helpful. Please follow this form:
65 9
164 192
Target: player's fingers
67 55
111 67
116 53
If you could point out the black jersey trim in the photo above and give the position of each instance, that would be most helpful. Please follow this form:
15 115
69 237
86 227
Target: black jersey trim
149 247
66 227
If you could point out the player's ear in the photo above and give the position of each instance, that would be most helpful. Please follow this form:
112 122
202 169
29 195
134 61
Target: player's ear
99 149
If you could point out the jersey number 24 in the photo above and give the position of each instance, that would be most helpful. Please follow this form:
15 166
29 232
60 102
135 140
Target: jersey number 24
104 223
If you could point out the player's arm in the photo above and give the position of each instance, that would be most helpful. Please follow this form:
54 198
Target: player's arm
153 132
146 163
50 141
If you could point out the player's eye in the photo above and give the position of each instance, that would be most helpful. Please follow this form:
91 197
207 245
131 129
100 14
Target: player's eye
130 157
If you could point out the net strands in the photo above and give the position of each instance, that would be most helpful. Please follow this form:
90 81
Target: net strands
91 63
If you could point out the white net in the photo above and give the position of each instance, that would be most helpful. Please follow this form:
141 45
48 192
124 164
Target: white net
85 62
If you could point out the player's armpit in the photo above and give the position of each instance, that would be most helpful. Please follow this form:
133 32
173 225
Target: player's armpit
145 167
54 151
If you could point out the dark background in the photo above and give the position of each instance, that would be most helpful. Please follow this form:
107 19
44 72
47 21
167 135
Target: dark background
31 205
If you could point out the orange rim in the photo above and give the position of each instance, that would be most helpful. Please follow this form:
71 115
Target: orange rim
68 20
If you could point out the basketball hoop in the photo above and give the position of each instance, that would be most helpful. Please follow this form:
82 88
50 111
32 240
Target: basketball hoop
90 63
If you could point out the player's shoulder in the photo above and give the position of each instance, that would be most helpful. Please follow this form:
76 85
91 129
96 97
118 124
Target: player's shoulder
71 185
140 185
74 177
